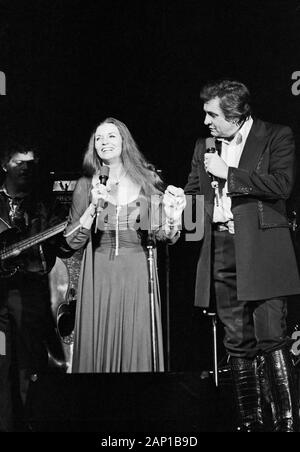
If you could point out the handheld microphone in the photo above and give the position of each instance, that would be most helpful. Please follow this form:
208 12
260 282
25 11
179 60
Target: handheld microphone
210 145
103 178
104 173
210 149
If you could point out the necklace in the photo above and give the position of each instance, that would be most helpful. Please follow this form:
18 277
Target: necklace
117 181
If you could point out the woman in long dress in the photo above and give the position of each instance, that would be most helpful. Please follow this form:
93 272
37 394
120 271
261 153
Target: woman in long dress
113 221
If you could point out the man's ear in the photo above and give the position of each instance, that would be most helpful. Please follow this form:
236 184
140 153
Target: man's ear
4 168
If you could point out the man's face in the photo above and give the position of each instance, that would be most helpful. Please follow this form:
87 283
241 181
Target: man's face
215 119
20 169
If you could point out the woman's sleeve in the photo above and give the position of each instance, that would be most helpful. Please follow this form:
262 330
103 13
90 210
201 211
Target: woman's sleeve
76 235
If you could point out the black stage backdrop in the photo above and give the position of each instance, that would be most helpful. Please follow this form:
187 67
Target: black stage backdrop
67 64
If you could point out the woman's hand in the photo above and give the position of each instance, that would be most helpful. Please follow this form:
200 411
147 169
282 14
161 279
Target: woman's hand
174 202
99 191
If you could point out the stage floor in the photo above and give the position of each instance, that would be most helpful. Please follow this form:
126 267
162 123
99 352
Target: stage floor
181 402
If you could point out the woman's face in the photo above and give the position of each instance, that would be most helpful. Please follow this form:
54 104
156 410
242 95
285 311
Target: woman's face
108 143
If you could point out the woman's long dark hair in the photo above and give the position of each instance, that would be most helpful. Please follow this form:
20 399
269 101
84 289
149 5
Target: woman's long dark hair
134 162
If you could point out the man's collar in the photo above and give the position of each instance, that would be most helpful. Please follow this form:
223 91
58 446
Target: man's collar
237 137
240 135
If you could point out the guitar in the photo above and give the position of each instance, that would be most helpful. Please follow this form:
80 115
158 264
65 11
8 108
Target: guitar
9 265
63 281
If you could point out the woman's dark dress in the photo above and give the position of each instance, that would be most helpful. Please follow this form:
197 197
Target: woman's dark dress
113 321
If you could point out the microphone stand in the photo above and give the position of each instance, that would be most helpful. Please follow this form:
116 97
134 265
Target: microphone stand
167 269
151 261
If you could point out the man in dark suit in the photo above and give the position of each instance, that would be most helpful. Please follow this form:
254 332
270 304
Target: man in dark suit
247 262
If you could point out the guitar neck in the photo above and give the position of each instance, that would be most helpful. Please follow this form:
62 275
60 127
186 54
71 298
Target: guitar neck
25 244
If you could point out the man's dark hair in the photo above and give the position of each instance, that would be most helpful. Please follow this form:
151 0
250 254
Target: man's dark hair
234 98
13 147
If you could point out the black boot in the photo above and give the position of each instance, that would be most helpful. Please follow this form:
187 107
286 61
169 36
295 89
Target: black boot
248 395
268 405
283 385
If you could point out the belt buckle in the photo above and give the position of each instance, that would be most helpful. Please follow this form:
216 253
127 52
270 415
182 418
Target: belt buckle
230 226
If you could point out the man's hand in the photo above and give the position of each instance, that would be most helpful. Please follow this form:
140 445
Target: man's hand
215 165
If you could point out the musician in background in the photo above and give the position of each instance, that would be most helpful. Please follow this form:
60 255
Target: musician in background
25 316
